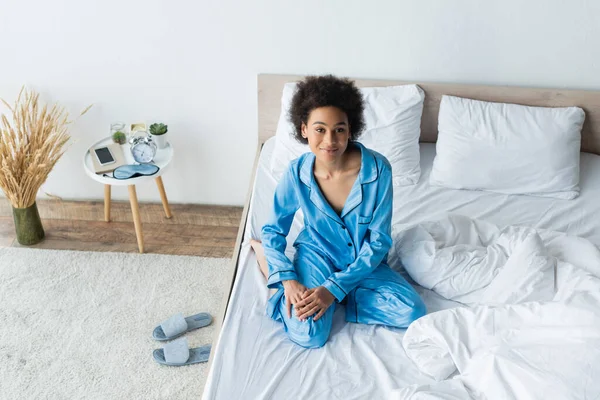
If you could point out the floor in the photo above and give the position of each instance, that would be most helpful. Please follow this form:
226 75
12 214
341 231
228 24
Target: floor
198 230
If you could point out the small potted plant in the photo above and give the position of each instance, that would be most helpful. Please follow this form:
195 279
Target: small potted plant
159 133
119 137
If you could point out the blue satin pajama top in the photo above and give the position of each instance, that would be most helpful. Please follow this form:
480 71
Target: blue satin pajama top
357 241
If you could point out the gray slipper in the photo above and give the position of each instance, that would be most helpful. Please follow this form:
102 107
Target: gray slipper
177 325
178 353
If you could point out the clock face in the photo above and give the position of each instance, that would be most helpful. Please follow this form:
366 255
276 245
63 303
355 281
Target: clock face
143 152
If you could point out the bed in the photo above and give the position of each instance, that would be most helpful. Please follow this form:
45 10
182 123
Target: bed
252 357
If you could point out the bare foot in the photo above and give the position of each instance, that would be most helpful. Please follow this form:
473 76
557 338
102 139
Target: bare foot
262 260
260 257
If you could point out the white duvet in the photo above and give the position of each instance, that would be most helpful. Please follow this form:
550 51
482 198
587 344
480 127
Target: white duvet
531 328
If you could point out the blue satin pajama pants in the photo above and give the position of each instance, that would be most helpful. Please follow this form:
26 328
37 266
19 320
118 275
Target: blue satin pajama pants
384 297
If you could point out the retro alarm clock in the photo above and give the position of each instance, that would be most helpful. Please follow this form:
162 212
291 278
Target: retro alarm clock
143 149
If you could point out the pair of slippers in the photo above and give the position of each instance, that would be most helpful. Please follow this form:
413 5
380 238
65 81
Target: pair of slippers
178 352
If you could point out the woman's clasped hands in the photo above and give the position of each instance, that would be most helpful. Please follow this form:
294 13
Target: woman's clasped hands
307 302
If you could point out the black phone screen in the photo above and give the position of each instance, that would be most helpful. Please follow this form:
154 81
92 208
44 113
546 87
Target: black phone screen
104 155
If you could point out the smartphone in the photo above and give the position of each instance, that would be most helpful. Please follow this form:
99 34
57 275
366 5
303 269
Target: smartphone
104 156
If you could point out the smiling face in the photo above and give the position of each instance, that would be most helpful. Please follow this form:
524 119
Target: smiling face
327 132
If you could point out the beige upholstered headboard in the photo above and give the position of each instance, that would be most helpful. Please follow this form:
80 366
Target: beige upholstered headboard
271 86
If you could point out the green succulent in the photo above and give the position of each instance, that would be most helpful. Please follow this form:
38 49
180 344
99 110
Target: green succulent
119 137
158 129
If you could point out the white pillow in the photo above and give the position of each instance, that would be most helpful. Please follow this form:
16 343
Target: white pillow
392 128
508 148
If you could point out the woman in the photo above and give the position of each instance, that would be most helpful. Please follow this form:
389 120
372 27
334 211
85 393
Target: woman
345 193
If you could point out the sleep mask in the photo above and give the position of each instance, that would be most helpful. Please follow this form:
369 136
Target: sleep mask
134 170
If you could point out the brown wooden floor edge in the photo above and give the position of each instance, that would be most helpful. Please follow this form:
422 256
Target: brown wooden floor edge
197 230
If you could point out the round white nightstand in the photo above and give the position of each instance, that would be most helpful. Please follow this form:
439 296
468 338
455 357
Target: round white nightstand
162 160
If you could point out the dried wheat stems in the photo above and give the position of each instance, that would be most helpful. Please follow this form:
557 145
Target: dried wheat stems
30 146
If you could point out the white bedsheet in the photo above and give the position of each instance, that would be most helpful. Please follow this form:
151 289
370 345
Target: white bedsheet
255 360
528 351
523 347
475 262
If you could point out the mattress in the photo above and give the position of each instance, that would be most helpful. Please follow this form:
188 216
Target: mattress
255 360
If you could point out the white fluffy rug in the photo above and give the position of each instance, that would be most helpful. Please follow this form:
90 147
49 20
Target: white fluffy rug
78 325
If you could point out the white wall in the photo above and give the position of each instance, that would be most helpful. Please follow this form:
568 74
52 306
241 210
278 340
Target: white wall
193 65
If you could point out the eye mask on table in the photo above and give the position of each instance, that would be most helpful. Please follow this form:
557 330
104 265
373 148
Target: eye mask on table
134 170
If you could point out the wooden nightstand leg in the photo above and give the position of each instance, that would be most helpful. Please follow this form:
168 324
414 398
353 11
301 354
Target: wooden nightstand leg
135 210
163 197
107 203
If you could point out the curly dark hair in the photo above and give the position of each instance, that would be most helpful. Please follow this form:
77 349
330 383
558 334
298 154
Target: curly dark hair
322 91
